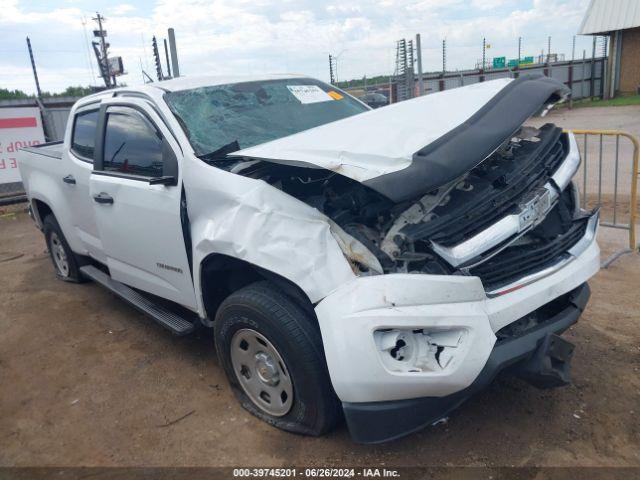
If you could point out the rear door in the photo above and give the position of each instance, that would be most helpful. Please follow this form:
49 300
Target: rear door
136 192
77 174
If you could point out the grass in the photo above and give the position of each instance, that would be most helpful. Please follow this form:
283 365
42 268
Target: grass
614 102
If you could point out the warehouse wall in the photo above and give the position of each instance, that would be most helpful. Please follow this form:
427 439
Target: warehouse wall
630 61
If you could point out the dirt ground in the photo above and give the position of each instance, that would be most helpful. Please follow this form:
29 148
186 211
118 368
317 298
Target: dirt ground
85 380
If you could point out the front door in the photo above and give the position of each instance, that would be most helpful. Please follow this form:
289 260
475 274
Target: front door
138 219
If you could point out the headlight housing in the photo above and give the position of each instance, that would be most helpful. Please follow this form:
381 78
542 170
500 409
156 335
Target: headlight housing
417 351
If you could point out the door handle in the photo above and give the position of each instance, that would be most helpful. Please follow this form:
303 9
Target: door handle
103 198
69 179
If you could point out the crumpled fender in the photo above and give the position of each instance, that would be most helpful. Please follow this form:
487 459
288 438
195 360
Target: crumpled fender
250 220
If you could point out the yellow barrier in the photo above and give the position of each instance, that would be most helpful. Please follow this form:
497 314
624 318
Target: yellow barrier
634 178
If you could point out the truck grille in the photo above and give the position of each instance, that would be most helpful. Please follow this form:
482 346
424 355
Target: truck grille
517 261
499 185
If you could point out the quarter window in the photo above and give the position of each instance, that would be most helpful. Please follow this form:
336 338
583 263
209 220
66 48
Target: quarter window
84 134
132 145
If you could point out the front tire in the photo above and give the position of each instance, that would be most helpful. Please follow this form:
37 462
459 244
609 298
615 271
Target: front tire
271 351
64 260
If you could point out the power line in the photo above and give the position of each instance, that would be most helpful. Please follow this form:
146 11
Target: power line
87 51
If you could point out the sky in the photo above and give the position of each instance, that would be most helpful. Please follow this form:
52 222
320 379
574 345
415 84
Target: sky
217 37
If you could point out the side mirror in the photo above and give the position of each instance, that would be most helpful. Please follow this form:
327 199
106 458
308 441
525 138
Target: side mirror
169 167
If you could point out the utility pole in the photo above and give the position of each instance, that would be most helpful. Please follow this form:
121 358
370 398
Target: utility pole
33 67
549 56
484 53
516 69
444 56
166 54
405 77
332 76
519 50
419 56
174 53
100 48
441 84
156 58
410 51
333 66
47 125
411 76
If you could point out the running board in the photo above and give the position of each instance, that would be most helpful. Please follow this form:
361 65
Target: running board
164 317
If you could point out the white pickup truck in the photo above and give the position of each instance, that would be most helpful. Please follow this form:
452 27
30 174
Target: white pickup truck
377 265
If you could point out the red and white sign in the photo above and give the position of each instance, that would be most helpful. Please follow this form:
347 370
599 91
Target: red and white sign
19 127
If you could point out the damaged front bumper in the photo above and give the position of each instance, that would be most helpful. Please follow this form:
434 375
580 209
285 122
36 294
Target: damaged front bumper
376 422
403 349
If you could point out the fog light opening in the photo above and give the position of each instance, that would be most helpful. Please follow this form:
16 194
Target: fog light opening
418 350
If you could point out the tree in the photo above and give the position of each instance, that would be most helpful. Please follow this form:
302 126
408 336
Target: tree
73 91
6 94
78 91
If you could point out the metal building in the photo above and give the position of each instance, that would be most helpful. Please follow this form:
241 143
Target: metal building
620 21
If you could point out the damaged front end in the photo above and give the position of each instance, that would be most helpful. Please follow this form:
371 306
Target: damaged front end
514 214
449 183
489 197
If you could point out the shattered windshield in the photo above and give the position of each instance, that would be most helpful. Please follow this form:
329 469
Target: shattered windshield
224 118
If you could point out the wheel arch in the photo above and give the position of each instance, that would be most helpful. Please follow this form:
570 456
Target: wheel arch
41 209
221 275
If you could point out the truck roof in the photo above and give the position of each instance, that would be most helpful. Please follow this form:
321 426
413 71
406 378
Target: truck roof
187 83
196 81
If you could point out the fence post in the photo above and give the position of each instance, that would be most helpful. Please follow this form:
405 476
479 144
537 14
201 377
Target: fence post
573 57
584 73
593 70
571 84
603 68
635 172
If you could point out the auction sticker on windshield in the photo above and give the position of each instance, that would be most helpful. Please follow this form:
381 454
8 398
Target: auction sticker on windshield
309 93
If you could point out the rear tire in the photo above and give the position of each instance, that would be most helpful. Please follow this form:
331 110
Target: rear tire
271 351
65 262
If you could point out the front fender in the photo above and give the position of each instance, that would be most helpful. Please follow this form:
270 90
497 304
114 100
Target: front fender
250 220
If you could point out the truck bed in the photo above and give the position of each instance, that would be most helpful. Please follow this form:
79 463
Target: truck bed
50 149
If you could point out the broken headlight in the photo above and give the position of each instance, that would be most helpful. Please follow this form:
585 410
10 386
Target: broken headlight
404 350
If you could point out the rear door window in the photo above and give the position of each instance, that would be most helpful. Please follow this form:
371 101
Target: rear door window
83 140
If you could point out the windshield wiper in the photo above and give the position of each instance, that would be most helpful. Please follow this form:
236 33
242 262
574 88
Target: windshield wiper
221 153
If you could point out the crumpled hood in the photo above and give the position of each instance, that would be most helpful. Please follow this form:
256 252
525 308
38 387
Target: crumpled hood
411 147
